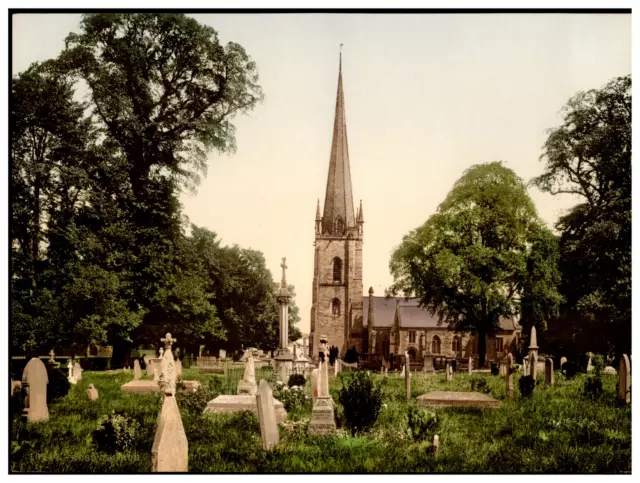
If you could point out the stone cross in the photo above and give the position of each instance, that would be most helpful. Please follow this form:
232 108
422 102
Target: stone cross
137 373
548 371
168 342
34 382
92 393
407 376
624 379
167 371
52 357
509 389
267 416
284 267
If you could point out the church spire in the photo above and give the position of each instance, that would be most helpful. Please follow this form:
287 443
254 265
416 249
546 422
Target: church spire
338 205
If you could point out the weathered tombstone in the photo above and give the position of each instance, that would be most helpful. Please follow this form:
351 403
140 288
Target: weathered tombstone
509 376
436 445
137 373
609 371
248 383
548 371
624 379
267 416
562 361
428 363
161 351
70 377
77 371
322 416
222 354
402 373
407 377
314 384
470 364
34 384
448 368
170 450
92 393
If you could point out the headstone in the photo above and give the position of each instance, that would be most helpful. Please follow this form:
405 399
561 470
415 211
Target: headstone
248 383
402 373
52 359
336 367
70 377
222 354
322 416
314 384
267 416
170 450
137 373
470 364
77 371
509 389
161 351
624 379
436 445
34 383
562 361
548 371
449 370
92 393
428 363
407 377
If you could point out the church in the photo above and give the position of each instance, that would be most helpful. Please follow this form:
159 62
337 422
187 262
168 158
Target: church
375 325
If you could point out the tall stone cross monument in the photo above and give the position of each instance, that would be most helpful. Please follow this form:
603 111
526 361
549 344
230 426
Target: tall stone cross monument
284 358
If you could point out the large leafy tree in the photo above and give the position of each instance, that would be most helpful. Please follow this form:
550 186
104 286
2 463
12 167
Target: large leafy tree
589 155
483 255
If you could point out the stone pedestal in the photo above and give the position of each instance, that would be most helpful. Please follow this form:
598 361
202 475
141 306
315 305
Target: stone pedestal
284 364
322 417
237 404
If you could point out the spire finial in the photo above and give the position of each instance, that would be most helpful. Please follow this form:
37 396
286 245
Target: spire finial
341 57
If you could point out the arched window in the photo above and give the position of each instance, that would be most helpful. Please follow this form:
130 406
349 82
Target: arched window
455 344
335 307
339 229
435 345
337 270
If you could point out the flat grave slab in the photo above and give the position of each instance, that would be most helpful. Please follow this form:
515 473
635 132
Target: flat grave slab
144 385
238 403
458 399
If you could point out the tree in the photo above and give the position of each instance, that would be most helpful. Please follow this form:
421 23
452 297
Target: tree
589 155
483 255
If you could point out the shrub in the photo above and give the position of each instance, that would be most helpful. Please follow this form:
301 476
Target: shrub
194 402
294 397
480 384
526 385
116 432
569 369
422 423
58 386
495 370
593 387
296 380
361 400
597 361
351 356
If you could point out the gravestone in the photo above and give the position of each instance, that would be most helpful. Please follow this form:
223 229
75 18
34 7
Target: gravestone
52 360
609 371
562 361
448 368
16 386
92 393
70 378
436 445
407 377
222 354
267 416
248 383
624 379
548 371
470 367
458 399
427 363
402 373
149 367
509 389
137 373
170 450
77 371
589 366
34 384
322 416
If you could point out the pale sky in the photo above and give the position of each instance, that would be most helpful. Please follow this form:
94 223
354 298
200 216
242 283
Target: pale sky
427 96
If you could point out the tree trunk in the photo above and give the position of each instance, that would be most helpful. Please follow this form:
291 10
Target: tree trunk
482 347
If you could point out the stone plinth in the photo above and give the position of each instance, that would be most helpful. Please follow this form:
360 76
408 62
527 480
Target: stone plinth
143 385
322 417
236 404
458 399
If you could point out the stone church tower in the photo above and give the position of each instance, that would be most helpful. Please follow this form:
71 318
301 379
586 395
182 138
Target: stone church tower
336 310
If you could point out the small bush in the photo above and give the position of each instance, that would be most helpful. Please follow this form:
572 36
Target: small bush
423 423
361 400
58 386
116 432
480 384
569 369
526 385
597 361
294 397
194 402
593 387
296 380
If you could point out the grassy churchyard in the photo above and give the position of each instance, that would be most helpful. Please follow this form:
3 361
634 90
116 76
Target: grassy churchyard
556 429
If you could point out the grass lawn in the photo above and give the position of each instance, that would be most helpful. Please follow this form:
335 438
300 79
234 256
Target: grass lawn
558 430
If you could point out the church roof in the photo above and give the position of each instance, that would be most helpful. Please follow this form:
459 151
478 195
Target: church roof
411 315
339 198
